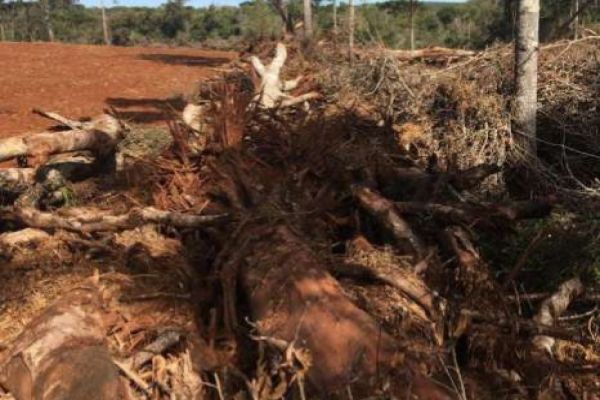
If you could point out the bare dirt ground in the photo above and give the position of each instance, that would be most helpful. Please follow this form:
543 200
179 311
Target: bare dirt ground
79 81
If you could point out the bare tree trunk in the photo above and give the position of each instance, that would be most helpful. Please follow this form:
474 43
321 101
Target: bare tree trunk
351 29
335 27
411 22
47 20
526 76
576 20
308 25
281 7
105 30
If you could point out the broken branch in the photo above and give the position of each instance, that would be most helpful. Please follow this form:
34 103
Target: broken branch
95 220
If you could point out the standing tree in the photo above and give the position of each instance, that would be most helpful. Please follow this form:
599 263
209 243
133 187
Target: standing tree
576 19
105 29
351 29
282 8
411 22
308 23
526 75
45 4
335 29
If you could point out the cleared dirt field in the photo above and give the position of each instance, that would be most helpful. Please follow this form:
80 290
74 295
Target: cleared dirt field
80 81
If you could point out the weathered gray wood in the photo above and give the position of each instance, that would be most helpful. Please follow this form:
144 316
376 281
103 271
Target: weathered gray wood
526 76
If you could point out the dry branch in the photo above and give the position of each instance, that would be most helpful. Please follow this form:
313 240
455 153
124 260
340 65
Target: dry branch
432 53
553 307
383 210
462 213
94 220
163 342
473 273
272 90
431 304
66 122
22 237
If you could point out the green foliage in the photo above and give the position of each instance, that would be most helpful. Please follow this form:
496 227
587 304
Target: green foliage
474 24
259 22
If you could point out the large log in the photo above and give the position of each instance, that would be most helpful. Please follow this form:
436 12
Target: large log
62 353
72 167
294 299
101 138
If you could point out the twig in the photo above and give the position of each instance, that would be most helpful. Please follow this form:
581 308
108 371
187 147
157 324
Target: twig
218 386
163 342
134 377
538 238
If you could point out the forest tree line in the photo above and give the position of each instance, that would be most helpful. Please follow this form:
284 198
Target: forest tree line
474 24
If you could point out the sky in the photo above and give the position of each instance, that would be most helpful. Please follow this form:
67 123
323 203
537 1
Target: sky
155 3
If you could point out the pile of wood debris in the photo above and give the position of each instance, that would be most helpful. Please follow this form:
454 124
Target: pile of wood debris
256 251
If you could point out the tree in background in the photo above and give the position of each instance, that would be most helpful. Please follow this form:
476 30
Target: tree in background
351 24
173 19
283 9
411 22
259 22
334 18
45 4
308 22
105 29
526 75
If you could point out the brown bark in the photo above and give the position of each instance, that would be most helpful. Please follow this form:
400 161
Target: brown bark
293 299
430 305
384 212
61 354
478 215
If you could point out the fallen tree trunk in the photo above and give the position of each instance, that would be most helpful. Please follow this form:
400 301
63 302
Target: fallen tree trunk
96 220
293 298
101 138
62 353
432 53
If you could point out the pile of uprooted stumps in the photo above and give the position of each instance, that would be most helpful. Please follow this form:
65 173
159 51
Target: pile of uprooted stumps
263 251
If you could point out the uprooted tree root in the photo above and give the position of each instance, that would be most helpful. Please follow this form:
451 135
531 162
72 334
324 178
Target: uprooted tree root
278 254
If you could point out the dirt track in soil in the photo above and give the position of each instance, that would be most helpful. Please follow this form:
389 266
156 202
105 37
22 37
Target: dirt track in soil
80 81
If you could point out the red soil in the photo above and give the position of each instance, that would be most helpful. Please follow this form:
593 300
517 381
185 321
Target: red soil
80 81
